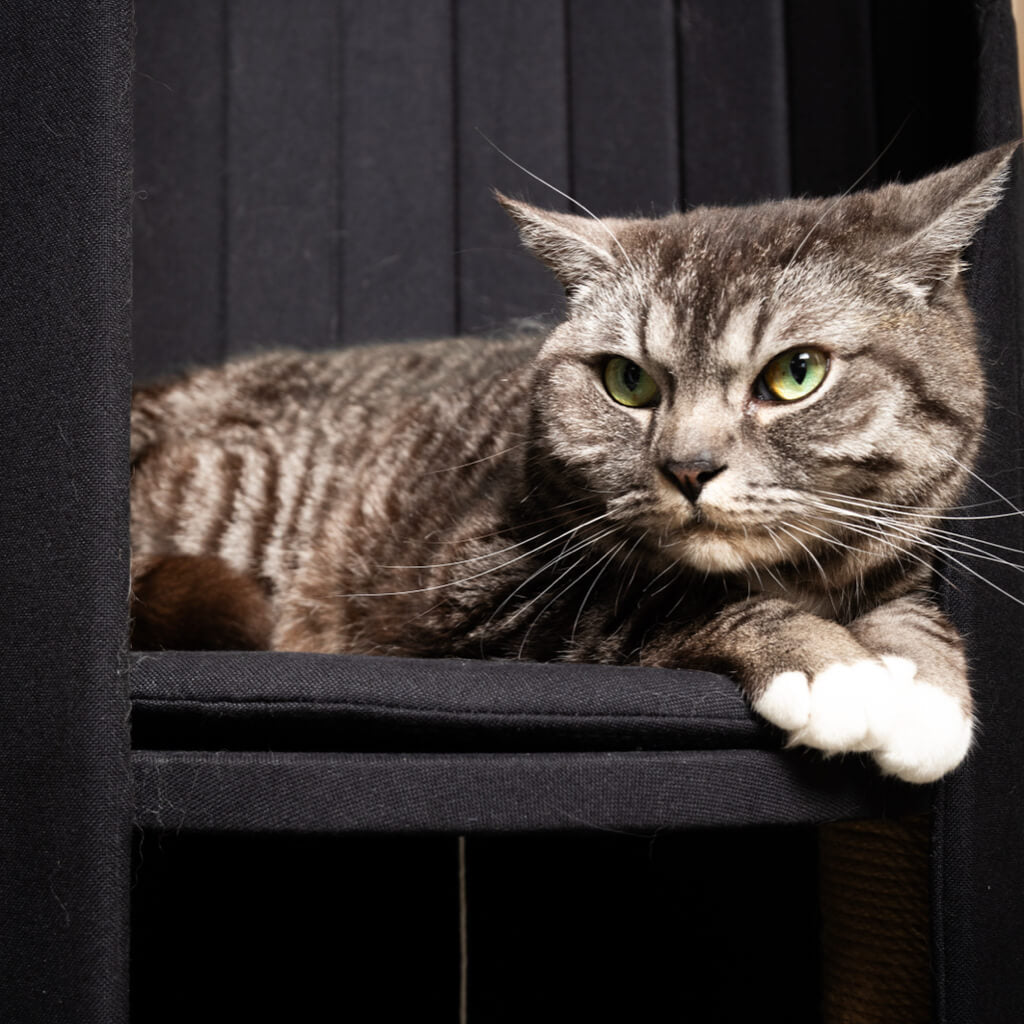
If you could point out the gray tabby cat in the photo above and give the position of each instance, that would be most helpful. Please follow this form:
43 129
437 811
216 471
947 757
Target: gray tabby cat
730 456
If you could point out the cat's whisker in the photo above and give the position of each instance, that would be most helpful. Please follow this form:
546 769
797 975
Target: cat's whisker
565 590
880 533
680 599
668 568
485 572
488 536
810 555
940 510
604 562
476 462
978 543
881 536
981 480
670 582
623 585
783 554
564 553
965 546
921 511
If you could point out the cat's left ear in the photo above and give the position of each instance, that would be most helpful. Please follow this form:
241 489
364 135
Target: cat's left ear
947 209
577 249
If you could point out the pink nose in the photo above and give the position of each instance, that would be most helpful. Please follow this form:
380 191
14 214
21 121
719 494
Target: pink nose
690 477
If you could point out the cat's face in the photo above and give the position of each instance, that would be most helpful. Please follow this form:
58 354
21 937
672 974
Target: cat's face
734 385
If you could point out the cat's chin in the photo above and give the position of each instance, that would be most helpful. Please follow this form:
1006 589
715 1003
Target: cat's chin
709 550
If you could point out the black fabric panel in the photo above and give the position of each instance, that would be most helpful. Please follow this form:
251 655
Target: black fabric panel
735 146
281 156
979 844
179 255
324 702
683 927
65 188
397 201
511 88
487 792
623 121
272 928
925 63
832 104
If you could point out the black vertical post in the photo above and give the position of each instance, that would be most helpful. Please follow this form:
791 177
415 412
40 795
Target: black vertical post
978 915
65 186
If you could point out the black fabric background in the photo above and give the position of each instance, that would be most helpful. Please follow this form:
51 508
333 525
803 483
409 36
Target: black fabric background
314 173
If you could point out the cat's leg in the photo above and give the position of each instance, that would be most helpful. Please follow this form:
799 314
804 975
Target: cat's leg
832 688
197 603
931 723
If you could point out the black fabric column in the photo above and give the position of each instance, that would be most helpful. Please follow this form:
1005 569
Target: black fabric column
65 183
979 842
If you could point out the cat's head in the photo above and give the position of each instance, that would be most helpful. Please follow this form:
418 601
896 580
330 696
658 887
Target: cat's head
745 386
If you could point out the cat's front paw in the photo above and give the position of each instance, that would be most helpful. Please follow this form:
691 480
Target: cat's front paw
912 728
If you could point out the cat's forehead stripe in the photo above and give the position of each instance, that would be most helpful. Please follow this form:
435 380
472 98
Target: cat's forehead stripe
733 347
662 332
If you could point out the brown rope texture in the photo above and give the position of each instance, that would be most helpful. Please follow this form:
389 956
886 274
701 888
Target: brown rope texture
876 962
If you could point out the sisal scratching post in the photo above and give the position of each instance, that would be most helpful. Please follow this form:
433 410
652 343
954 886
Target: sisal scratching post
876 960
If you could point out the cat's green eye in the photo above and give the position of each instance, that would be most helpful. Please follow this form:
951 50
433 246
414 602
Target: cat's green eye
628 383
793 374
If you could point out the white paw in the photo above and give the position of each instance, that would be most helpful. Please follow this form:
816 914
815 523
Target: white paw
930 736
841 709
913 730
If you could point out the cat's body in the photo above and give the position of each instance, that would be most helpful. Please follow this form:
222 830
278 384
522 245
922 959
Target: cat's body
648 484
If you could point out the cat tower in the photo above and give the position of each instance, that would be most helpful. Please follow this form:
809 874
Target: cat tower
274 836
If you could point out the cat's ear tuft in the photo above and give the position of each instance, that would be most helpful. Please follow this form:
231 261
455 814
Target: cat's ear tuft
948 209
576 249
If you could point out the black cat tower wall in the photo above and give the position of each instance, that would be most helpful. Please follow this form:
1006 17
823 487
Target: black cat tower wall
286 836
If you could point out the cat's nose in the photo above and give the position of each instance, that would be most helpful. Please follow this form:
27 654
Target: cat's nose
691 477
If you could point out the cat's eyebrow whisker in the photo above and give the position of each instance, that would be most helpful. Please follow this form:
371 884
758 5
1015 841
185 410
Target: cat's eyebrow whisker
835 202
547 184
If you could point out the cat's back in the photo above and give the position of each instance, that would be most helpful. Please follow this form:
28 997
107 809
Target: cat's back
249 462
282 391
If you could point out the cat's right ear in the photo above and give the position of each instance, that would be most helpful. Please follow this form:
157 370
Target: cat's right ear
577 249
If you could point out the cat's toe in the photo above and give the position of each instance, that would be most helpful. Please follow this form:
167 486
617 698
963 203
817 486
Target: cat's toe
786 701
930 735
835 711
848 708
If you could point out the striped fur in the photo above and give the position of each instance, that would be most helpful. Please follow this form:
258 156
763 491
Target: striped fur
489 498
